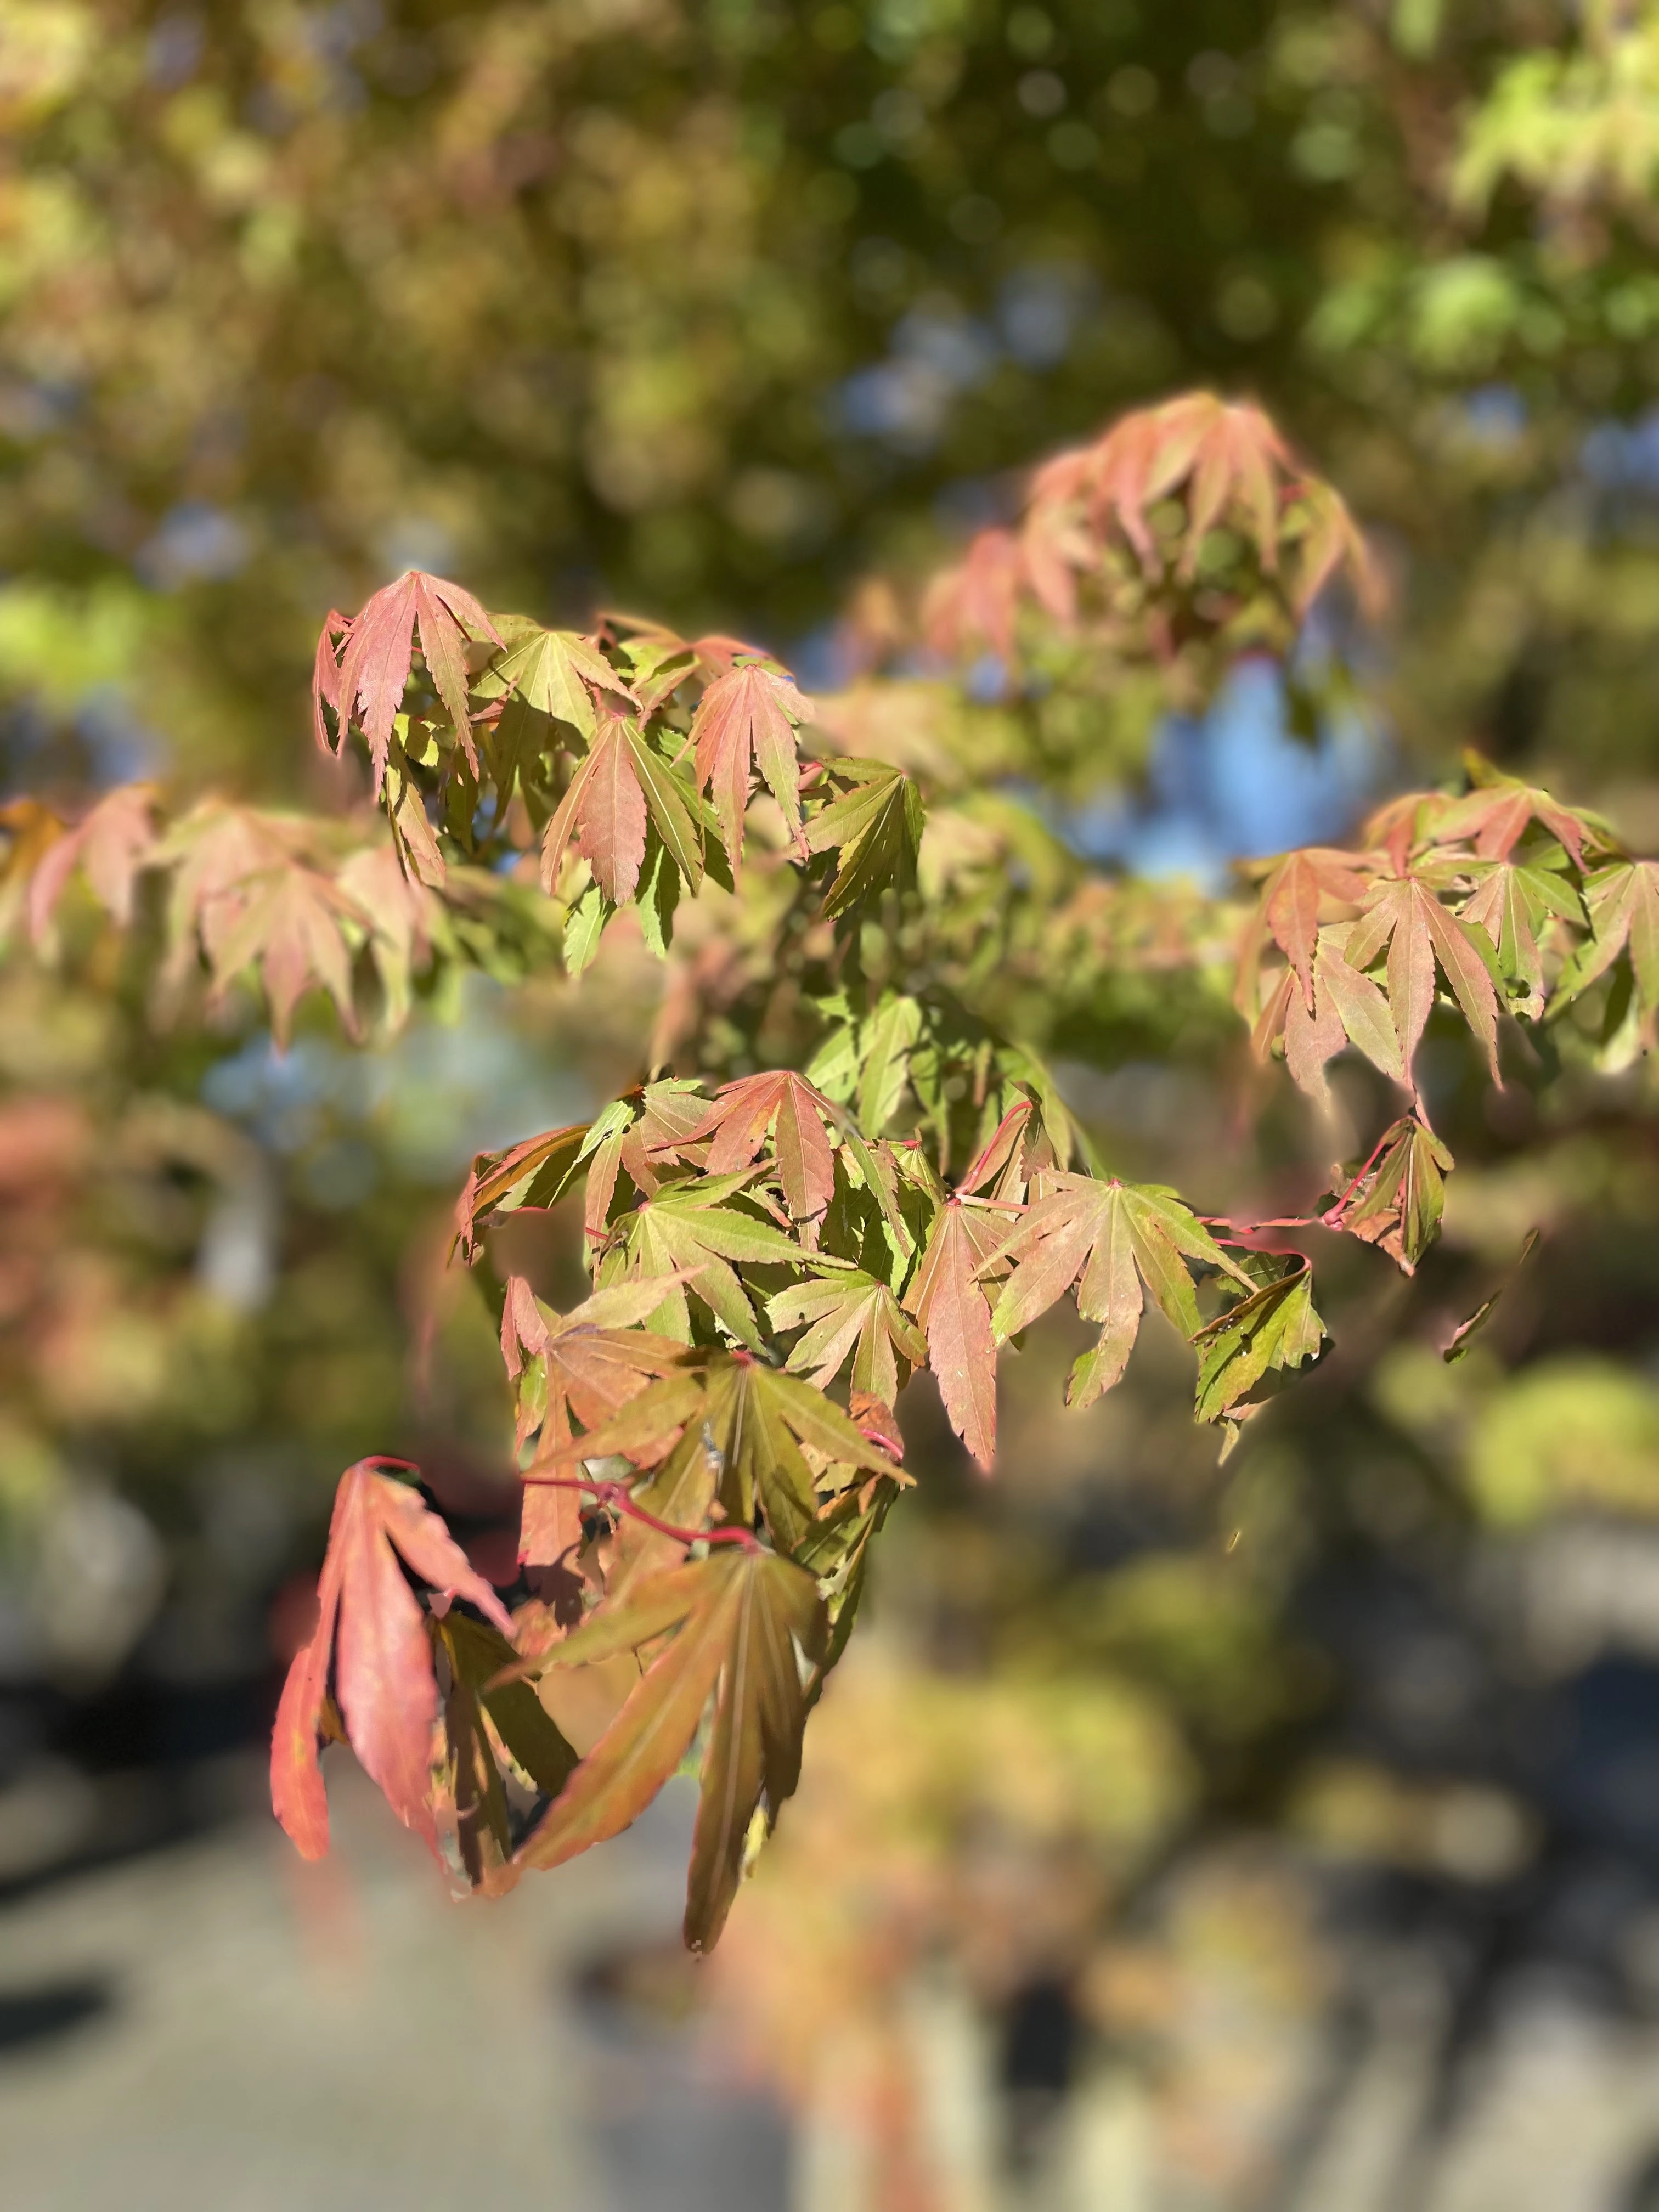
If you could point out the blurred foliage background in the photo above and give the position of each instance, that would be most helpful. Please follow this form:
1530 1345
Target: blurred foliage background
717 309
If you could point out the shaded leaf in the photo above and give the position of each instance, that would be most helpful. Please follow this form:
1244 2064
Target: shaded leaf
877 829
1245 1352
1396 1204
740 1617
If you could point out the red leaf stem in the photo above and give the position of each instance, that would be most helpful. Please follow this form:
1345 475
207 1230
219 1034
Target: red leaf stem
617 1494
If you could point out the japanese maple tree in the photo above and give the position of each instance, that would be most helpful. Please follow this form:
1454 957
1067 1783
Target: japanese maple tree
848 1159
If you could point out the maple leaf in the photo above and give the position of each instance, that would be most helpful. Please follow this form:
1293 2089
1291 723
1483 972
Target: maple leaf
557 672
290 926
758 1419
1346 1008
686 1229
849 1311
1293 894
589 1362
749 716
978 598
112 844
399 915
536 1173
379 647
1501 809
1513 902
325 675
1244 1353
1623 900
946 1297
786 1106
738 1620
877 829
644 1134
245 891
619 785
1232 468
1419 933
1397 1200
762 1429
372 1626
871 1058
1108 1238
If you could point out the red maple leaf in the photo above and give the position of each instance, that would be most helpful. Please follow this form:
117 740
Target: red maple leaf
1292 898
747 718
379 645
947 1298
372 1626
786 1103
112 844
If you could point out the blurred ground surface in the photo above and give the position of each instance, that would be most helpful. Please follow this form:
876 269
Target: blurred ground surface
214 2026
218 2028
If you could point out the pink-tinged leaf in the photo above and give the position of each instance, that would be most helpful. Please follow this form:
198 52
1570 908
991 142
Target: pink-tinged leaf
440 609
374 1627
112 844
999 1151
1398 919
1109 1238
745 717
1292 898
374 671
946 1300
787 1104
610 813
648 1738
1467 972
523 1329
1499 811
1310 1040
562 827
1411 977
738 1620
381 646
297 1795
975 603
290 923
1362 1010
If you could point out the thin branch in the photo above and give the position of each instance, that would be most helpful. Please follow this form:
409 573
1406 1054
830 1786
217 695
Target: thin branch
1330 1218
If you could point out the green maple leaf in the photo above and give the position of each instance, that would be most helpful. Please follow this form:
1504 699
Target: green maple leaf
1513 902
687 1228
1244 1351
478 1656
849 1311
758 1419
877 829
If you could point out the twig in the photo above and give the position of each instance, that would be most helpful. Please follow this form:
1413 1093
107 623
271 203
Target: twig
1330 1218
618 1494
